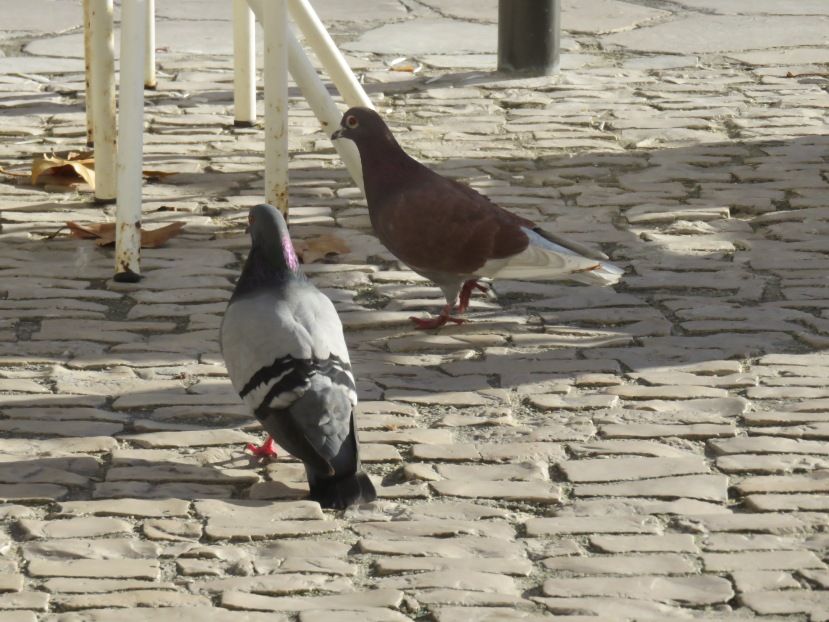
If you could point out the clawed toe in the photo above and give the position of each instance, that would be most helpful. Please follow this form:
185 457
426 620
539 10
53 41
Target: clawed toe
435 322
265 450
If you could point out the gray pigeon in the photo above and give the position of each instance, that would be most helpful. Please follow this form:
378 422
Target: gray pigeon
283 345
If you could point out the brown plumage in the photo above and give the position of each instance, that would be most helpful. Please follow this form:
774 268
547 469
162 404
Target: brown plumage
448 232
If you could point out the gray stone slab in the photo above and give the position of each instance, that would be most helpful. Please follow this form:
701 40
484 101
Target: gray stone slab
42 16
603 16
761 7
212 37
428 36
713 34
38 65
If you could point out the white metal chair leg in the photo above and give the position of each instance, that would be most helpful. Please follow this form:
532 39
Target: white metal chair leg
102 88
130 141
329 55
87 55
321 102
275 22
150 81
244 65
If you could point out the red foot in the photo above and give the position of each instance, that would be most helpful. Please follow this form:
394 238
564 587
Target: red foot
466 293
437 322
265 450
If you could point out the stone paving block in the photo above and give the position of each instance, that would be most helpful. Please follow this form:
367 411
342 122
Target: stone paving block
457 547
369 614
32 492
92 548
769 445
761 560
469 598
700 590
761 580
531 492
390 598
655 430
610 607
489 614
37 601
131 599
705 487
275 584
127 507
91 586
787 502
788 601
73 527
166 614
454 579
588 525
614 469
401 565
11 582
621 565
679 543
96 568
435 528
748 542
759 523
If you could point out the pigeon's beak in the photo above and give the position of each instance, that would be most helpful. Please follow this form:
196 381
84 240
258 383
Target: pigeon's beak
338 133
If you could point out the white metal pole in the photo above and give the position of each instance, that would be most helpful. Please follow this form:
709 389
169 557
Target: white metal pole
87 55
130 141
244 64
275 23
102 77
326 50
150 81
305 75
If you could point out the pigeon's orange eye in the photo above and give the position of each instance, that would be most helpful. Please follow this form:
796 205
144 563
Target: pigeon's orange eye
352 121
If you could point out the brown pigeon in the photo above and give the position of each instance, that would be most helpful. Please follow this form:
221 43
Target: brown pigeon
451 234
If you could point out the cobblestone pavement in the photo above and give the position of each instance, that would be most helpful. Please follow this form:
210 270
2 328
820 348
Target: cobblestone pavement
657 451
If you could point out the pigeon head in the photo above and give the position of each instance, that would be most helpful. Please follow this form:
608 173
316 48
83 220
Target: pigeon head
364 126
272 259
269 234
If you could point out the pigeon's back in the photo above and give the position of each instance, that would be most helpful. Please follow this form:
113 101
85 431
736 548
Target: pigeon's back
268 333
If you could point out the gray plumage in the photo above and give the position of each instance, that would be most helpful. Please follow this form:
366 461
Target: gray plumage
283 345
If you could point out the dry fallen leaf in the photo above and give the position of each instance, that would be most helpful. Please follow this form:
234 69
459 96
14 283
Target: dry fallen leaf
156 237
13 173
58 170
104 233
70 169
313 249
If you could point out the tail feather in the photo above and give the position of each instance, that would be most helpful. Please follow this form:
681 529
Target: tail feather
340 493
602 273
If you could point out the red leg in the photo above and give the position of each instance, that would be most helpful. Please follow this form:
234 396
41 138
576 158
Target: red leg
437 322
466 293
265 450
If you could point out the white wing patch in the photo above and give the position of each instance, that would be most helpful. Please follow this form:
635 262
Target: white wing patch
542 259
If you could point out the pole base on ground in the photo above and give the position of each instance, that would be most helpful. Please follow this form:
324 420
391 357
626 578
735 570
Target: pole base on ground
529 36
99 201
126 277
244 124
